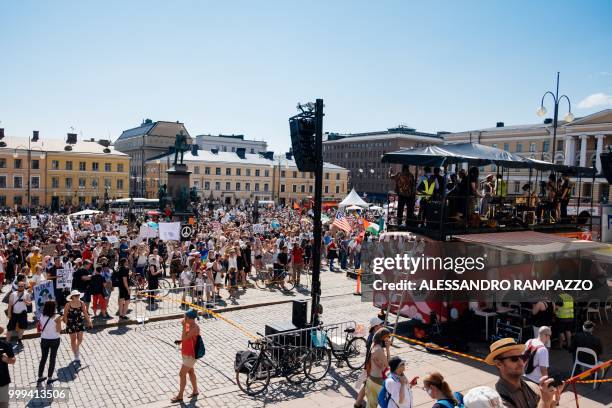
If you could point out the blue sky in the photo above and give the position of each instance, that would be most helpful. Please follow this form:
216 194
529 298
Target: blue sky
241 66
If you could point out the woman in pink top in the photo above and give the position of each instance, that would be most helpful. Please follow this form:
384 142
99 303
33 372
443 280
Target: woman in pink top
191 331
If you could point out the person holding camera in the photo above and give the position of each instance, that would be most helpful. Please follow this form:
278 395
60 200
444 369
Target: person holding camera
510 359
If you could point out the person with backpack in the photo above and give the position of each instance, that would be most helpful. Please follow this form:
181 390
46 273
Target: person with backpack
438 389
396 391
190 337
537 355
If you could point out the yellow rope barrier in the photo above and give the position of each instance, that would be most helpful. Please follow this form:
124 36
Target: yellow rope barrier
436 347
206 310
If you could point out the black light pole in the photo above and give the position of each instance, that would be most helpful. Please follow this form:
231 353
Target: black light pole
316 248
568 118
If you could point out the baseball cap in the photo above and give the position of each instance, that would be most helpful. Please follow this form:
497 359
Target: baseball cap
375 321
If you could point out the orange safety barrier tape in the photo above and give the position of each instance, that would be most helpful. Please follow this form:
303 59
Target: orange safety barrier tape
575 379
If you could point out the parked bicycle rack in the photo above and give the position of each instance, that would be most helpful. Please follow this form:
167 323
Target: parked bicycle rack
336 337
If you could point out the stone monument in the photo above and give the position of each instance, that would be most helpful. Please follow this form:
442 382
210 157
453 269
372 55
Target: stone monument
178 183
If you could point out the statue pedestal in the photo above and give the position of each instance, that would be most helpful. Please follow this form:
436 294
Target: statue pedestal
178 190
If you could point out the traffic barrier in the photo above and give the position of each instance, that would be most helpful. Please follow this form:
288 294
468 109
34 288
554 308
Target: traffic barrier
302 338
358 289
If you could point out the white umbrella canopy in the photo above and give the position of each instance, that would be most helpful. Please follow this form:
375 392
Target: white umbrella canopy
375 208
85 212
353 199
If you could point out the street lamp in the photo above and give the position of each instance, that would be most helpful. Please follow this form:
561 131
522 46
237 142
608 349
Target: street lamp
569 117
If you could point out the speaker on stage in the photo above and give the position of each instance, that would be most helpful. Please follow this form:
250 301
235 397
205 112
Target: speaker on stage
300 313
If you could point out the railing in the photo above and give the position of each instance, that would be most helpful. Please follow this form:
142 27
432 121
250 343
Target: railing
147 304
337 336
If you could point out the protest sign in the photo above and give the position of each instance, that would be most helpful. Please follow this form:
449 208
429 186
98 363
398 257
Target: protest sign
170 231
135 242
64 278
47 249
33 223
147 231
112 239
43 292
98 227
122 230
258 228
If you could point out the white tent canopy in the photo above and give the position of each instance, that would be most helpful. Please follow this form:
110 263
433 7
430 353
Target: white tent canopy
354 207
85 212
353 199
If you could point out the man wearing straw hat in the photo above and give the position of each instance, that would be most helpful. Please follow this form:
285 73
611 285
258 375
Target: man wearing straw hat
510 359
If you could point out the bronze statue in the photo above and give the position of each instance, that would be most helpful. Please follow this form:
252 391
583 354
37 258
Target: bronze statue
180 146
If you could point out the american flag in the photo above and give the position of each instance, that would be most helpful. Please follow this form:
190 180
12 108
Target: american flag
341 222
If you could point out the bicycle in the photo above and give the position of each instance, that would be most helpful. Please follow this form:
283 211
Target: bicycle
350 348
269 277
140 284
254 373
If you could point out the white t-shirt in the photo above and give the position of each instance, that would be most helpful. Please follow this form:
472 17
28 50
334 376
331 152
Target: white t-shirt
185 278
393 388
50 331
539 360
19 307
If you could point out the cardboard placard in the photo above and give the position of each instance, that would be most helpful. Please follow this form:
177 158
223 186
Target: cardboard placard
64 278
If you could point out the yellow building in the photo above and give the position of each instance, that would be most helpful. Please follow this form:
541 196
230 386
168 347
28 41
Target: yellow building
294 186
241 178
59 177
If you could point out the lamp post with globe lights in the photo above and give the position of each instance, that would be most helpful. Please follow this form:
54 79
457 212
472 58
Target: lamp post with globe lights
569 117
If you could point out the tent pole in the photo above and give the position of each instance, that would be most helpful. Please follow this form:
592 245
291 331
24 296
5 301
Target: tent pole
467 199
443 204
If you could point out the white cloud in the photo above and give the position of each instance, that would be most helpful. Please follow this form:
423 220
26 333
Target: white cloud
597 99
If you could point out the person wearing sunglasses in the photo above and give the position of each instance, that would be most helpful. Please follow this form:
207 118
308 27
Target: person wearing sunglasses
510 359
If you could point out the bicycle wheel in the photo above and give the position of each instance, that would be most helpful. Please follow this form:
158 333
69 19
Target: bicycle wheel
292 363
253 376
165 287
355 353
287 283
317 363
260 279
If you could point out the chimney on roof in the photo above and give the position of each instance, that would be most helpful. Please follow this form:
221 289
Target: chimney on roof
548 121
194 149
214 150
499 124
93 139
268 155
289 155
241 152
147 122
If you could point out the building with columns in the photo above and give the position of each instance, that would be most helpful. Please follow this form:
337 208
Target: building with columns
579 143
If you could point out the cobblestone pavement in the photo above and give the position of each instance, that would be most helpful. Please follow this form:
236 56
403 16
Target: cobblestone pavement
132 366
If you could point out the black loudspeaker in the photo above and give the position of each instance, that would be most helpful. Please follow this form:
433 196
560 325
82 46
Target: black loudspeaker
279 327
606 165
299 316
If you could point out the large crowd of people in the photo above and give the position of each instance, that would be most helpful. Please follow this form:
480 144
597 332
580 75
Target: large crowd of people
106 252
